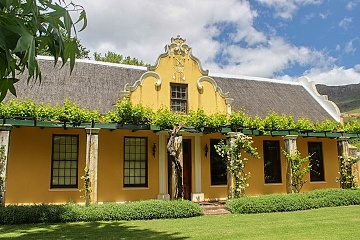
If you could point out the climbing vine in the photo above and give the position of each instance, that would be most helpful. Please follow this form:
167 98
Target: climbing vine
300 167
233 154
2 174
127 113
347 178
87 187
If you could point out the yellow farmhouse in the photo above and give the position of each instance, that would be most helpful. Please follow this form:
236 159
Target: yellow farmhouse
45 164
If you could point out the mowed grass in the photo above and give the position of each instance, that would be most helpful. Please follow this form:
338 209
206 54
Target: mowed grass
325 223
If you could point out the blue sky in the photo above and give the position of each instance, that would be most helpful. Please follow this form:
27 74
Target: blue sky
280 39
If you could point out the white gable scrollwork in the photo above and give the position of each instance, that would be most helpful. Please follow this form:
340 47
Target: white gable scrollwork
128 89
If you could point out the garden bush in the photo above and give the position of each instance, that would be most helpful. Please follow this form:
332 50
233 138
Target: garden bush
294 202
70 212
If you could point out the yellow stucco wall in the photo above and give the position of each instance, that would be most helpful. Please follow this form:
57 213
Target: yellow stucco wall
257 183
110 171
156 97
29 166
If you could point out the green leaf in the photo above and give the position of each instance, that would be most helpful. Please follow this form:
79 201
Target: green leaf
84 18
5 85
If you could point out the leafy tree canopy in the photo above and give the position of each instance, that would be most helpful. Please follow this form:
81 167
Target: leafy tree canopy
118 58
27 27
82 54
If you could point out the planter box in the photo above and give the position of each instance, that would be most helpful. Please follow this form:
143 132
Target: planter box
316 134
333 135
279 133
49 124
133 127
351 135
111 126
18 122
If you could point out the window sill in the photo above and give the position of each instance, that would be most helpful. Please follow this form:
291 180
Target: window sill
218 186
273 184
135 188
316 182
64 190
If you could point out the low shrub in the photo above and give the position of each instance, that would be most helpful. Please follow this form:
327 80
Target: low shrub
142 210
294 202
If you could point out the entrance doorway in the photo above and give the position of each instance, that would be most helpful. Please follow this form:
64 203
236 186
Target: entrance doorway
187 170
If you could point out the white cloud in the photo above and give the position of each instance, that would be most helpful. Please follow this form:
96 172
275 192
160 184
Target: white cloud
335 76
351 5
286 8
345 22
141 29
324 16
349 46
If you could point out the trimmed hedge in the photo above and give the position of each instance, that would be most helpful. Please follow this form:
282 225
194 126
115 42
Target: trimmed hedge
294 202
149 209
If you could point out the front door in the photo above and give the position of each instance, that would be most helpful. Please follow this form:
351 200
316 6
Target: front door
187 168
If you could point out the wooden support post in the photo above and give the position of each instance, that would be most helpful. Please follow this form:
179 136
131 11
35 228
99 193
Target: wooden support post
4 143
290 148
92 146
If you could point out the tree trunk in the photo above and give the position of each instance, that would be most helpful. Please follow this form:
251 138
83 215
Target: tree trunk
174 148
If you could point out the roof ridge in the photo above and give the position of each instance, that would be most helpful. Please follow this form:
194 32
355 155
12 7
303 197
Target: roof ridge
50 58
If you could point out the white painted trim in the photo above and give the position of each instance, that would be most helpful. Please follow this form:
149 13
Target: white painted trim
251 78
197 164
135 188
162 163
329 106
63 189
140 82
50 58
213 82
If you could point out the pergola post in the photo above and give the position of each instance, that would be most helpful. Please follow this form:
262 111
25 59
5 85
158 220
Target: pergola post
92 146
163 195
230 141
290 148
4 144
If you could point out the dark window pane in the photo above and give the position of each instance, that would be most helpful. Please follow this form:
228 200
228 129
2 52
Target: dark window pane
135 162
178 102
316 161
217 165
272 167
64 161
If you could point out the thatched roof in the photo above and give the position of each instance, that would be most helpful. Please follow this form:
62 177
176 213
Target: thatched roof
94 85
259 97
98 85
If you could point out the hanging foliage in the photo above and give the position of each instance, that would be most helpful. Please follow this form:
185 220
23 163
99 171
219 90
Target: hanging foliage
300 167
2 174
233 154
347 178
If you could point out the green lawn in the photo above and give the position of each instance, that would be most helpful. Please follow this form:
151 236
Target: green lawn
325 223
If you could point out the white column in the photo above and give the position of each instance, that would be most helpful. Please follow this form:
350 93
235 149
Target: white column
162 166
198 195
290 148
4 141
92 153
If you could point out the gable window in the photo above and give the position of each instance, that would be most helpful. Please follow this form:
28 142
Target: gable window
64 167
135 162
272 166
316 161
217 165
179 98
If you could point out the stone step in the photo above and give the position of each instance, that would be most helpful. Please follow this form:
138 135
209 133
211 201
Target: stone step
214 208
